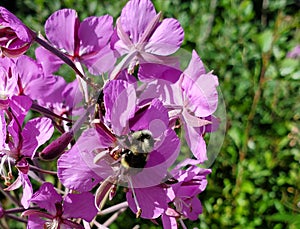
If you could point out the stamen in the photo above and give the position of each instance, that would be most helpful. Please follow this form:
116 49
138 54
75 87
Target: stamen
179 203
139 210
182 224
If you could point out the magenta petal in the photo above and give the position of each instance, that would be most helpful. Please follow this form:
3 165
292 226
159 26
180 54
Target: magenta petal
17 184
94 33
154 118
152 201
164 90
28 69
100 61
27 190
166 150
53 94
199 88
192 209
32 81
169 222
203 95
76 168
166 39
196 67
80 206
136 16
60 29
35 222
35 133
20 105
46 197
196 142
74 173
149 71
49 61
120 104
2 129
71 94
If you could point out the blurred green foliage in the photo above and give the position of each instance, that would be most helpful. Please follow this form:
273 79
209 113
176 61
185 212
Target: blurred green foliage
255 181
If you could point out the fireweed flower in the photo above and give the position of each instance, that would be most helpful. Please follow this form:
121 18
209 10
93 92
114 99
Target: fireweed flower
193 99
98 153
62 98
184 202
129 139
295 53
15 37
60 211
31 80
18 143
143 37
22 76
86 42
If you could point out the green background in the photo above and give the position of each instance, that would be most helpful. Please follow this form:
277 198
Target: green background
255 180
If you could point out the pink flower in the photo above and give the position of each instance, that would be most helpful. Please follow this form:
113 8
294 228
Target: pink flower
143 37
294 53
15 37
86 42
23 143
183 195
59 210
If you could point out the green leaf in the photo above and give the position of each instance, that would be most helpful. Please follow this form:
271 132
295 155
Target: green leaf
264 40
291 219
248 187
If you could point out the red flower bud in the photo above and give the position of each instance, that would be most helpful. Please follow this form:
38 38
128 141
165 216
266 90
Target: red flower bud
57 147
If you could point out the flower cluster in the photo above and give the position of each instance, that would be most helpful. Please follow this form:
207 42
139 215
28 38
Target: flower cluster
120 122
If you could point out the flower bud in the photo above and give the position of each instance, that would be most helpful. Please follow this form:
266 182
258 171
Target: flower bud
57 147
15 37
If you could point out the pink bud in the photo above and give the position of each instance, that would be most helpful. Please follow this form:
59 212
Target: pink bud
57 147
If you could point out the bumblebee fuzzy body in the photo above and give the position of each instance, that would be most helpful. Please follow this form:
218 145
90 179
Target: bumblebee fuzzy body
137 147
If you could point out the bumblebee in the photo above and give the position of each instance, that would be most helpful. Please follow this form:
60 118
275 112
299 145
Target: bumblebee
137 147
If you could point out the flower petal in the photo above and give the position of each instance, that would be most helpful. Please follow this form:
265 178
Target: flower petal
154 118
135 17
2 129
200 88
120 104
76 168
196 142
201 95
100 61
94 33
80 206
192 208
46 197
149 71
166 39
35 222
74 173
152 201
35 133
48 60
61 28
195 68
27 190
169 222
